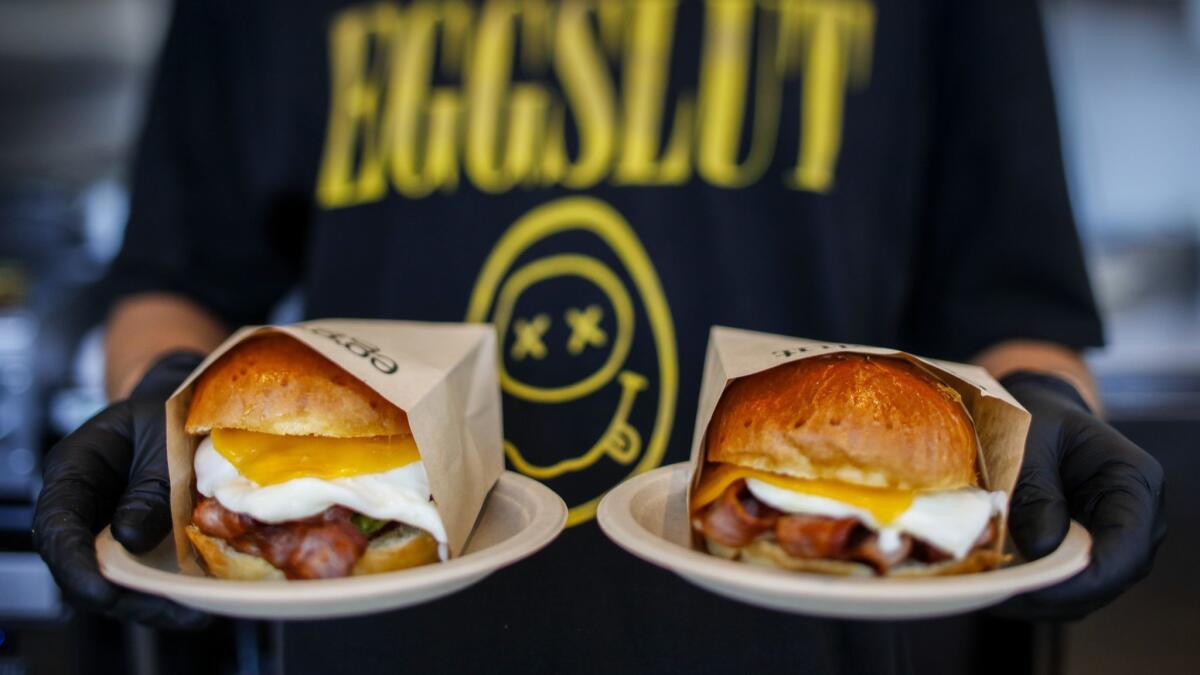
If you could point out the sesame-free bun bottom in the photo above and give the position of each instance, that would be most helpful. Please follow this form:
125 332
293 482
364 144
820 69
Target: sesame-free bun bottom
767 553
399 549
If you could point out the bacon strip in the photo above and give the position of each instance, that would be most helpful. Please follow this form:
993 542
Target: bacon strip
322 546
811 537
217 521
928 553
736 518
868 551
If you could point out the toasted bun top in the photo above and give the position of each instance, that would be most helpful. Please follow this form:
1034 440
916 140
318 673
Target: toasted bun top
277 385
858 419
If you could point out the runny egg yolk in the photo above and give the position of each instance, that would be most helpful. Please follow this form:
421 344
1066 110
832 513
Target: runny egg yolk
268 459
886 504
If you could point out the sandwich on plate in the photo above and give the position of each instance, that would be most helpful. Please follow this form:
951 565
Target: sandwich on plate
846 464
303 471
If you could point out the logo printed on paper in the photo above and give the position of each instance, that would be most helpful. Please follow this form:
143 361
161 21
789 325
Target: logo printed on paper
795 351
567 322
359 347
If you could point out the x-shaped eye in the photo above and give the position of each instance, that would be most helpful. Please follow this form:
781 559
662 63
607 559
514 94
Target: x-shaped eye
528 336
585 328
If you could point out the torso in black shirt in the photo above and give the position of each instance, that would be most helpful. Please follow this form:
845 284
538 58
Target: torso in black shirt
603 182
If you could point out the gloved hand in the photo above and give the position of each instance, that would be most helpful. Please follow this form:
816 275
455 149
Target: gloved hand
114 468
1076 466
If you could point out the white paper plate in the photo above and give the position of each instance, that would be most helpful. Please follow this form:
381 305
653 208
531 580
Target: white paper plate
647 516
519 517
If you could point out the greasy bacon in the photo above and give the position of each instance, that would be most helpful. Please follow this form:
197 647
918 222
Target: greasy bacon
868 551
928 553
321 546
814 536
217 521
736 518
320 551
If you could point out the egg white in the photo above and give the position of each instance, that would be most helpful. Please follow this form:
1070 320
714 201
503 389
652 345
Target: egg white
400 494
951 520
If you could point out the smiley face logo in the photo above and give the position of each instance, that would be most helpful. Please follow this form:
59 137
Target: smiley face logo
587 358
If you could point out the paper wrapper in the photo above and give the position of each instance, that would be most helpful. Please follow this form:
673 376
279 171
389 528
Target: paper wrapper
442 375
1000 422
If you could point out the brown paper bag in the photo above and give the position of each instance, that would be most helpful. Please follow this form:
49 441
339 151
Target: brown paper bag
443 375
1000 421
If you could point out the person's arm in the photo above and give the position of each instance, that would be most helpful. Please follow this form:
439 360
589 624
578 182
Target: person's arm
213 241
1076 467
1011 356
144 327
1000 279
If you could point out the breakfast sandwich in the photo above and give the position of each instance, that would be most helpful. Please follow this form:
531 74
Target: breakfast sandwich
846 464
303 471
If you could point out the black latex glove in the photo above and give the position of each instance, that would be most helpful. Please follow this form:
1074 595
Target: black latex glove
114 469
1076 466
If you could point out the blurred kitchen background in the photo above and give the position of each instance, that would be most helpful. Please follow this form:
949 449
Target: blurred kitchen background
72 80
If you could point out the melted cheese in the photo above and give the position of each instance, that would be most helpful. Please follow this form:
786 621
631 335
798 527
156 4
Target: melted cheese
269 459
885 504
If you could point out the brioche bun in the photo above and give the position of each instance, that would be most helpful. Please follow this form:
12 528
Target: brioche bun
866 420
277 385
398 549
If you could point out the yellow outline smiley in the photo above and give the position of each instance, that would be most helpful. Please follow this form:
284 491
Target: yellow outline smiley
594 216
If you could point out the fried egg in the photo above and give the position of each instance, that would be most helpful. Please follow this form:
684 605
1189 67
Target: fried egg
298 477
951 520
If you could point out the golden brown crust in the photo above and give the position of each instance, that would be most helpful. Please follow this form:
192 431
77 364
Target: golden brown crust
859 419
399 549
767 553
223 561
277 385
